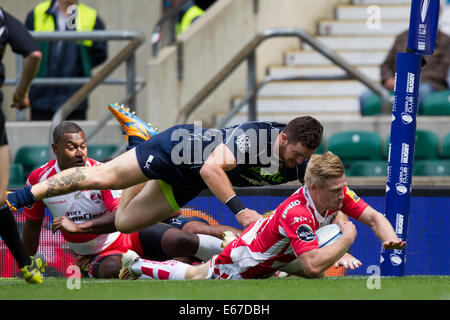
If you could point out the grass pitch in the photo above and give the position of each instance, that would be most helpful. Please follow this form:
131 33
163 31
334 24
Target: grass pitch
291 288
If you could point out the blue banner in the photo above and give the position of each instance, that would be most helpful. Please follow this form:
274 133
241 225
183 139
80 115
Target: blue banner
401 156
423 25
421 40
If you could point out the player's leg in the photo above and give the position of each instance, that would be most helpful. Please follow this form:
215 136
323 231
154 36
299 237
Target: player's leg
134 267
147 208
119 173
30 267
163 242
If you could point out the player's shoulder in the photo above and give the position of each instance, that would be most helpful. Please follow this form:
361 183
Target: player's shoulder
350 195
294 205
260 125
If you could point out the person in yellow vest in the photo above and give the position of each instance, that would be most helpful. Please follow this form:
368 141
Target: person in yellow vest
190 12
64 58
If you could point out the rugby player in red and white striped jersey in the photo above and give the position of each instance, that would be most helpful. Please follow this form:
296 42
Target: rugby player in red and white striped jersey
289 235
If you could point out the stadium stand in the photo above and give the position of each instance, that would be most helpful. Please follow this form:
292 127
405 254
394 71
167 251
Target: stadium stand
445 147
426 146
355 145
31 156
368 168
437 104
16 176
432 168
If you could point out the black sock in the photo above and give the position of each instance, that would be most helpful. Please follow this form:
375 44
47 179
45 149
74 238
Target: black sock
11 237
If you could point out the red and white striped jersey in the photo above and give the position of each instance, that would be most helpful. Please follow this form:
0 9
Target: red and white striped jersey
271 243
79 206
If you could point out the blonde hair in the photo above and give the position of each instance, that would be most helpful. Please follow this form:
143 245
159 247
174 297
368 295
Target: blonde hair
323 167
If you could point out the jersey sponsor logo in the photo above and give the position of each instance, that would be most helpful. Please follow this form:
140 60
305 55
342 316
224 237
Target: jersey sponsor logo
352 195
305 233
300 219
290 206
243 143
149 160
79 216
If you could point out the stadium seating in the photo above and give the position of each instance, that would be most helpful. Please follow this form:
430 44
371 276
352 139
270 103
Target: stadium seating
432 168
321 148
368 168
372 105
355 145
437 104
427 145
445 149
101 152
16 176
31 156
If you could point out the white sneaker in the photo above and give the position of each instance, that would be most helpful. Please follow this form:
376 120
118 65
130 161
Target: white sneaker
227 237
128 259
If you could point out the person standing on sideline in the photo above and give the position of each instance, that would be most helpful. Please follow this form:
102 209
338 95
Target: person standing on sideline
13 32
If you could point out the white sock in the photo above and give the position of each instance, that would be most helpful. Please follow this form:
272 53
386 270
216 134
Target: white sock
162 270
208 246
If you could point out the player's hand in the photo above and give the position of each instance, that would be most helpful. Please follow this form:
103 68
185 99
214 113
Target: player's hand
65 224
348 229
20 101
83 262
391 245
348 261
247 217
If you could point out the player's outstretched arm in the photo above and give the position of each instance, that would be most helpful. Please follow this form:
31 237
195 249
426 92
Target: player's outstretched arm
382 228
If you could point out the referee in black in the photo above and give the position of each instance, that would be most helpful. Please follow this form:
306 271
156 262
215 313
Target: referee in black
14 33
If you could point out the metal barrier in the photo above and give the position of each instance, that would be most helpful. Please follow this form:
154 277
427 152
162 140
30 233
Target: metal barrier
132 83
248 54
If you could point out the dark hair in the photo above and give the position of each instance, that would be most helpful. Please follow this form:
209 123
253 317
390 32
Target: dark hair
65 127
306 130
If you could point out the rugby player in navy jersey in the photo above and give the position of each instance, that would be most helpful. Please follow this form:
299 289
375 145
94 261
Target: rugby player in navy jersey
164 171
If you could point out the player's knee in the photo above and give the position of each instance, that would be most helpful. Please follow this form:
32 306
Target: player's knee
194 227
122 225
110 267
186 243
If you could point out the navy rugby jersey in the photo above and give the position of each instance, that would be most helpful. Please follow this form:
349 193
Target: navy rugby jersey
177 154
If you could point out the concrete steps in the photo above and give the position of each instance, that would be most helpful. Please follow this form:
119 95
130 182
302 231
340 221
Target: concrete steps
354 57
317 88
355 42
363 11
362 27
372 71
304 105
361 33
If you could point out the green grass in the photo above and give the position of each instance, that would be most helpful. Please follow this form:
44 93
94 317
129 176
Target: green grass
292 288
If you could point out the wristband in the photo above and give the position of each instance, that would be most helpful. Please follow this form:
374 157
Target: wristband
235 205
20 198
